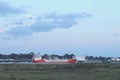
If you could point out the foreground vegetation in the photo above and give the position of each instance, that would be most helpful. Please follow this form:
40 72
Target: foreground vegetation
60 72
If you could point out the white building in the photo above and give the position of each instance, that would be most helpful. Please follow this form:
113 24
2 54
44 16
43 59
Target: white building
115 59
81 58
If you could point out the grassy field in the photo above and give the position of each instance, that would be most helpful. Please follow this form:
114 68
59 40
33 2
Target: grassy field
60 72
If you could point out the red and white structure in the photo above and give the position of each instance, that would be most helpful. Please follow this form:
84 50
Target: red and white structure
38 59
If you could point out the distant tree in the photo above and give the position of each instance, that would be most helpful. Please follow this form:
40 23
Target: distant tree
30 55
68 56
72 56
1 56
46 56
13 56
26 56
90 57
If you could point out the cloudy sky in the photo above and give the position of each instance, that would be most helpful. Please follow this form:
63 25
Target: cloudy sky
82 27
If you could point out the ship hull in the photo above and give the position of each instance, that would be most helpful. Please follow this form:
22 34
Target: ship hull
54 61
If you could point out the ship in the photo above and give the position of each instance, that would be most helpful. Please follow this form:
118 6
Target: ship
52 60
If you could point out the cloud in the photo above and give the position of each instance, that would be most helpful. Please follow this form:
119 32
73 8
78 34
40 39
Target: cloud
6 9
53 21
43 24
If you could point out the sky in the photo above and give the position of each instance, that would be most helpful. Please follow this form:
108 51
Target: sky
81 27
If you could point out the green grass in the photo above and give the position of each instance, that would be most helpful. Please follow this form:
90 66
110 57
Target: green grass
60 72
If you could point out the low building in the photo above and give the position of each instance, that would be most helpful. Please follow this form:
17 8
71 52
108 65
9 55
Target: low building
81 58
115 59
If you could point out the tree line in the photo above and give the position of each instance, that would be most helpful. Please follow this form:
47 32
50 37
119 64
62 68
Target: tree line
98 58
26 56
20 56
23 56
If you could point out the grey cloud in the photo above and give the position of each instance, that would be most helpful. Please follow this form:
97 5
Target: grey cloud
56 21
45 24
19 31
6 9
14 33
